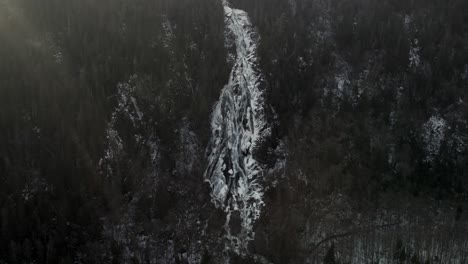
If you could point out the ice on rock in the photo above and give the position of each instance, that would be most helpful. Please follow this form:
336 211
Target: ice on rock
238 123
220 190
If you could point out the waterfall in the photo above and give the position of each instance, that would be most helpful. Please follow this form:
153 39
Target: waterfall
238 125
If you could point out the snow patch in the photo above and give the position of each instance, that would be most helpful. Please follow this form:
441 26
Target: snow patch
168 34
414 55
458 139
126 108
35 186
433 135
341 81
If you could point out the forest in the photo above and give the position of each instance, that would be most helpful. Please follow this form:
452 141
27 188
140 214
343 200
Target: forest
105 115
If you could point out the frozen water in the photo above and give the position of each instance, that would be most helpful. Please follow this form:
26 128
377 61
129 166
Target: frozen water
238 124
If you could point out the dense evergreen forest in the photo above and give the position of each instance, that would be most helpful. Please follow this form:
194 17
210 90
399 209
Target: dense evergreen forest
105 114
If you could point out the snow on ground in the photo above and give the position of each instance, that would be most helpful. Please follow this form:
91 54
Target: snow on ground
414 57
35 185
238 124
127 107
168 34
433 135
126 231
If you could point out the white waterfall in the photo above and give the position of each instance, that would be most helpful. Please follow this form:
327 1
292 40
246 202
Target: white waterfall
238 125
